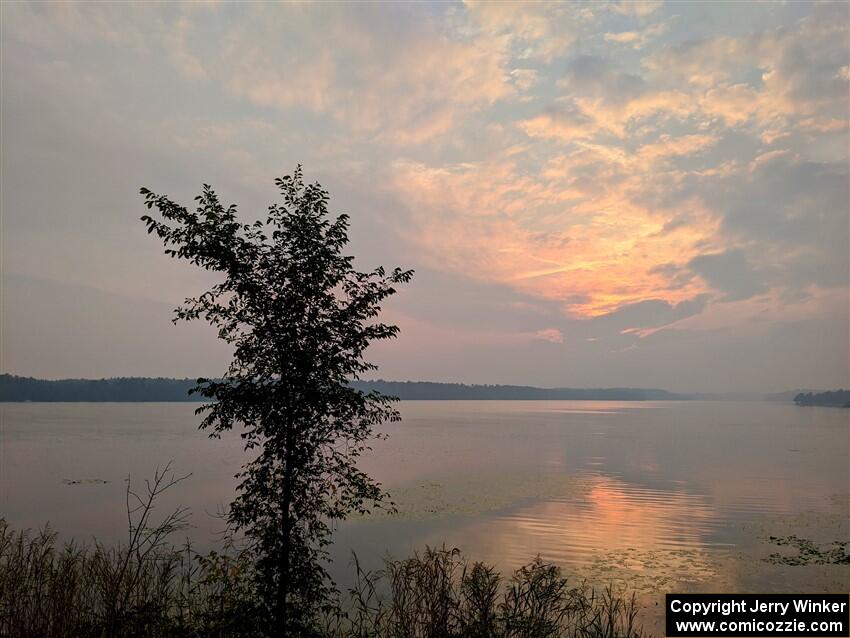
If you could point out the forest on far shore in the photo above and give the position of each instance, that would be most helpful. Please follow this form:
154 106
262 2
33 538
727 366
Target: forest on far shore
840 398
140 389
15 388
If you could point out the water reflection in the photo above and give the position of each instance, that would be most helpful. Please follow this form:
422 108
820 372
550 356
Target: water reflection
612 515
575 529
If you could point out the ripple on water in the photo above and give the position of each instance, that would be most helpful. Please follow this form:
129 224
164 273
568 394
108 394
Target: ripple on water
610 515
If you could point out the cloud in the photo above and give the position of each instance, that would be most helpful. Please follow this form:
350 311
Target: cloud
563 121
597 77
640 8
617 101
728 272
181 55
669 147
527 31
394 72
552 335
524 79
562 235
640 38
644 318
792 72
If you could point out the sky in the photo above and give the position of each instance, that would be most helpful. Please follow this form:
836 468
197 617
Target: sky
624 194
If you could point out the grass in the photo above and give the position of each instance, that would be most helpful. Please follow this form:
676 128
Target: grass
149 587
48 591
51 591
440 594
144 587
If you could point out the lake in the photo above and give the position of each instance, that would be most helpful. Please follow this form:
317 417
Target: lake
659 496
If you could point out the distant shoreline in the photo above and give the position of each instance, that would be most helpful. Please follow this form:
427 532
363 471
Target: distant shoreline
161 389
147 390
835 399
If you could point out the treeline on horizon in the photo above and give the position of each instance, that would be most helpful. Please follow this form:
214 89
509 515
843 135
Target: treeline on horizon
839 398
427 390
160 389
121 389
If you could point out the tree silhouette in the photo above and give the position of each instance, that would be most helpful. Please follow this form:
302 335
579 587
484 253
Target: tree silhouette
299 318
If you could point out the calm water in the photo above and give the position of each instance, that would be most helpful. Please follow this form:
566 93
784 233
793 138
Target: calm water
660 496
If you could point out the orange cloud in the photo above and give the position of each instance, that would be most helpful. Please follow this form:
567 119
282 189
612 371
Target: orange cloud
583 242
668 146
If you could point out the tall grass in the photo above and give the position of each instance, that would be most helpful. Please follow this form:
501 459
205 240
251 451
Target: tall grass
439 594
74 591
148 587
143 587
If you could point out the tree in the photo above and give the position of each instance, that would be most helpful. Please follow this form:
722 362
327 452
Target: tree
299 317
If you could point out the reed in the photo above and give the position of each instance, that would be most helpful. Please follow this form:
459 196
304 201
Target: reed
147 587
142 587
440 594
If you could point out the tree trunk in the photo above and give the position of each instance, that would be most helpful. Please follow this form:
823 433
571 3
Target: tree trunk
284 577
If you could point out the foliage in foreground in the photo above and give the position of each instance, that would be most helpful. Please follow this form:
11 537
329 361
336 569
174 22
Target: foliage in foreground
143 587
53 591
439 594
